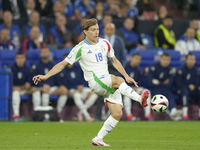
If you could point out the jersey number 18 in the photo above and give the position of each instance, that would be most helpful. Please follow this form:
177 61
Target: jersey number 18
99 57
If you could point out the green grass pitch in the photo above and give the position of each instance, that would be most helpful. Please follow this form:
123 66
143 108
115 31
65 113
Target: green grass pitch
158 135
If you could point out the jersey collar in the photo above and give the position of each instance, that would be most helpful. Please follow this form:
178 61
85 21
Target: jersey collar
89 43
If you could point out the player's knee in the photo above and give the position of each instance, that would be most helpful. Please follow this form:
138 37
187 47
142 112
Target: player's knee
117 114
16 88
34 89
120 80
117 81
46 88
63 90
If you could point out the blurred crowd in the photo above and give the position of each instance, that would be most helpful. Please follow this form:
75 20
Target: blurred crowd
125 41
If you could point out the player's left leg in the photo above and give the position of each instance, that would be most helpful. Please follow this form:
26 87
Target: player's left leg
16 102
119 83
62 92
185 98
173 113
109 124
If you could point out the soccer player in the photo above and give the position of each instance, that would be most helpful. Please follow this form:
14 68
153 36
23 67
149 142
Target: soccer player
160 79
21 82
92 54
189 88
134 72
48 87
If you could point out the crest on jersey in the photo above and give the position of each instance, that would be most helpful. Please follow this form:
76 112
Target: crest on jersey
103 48
19 75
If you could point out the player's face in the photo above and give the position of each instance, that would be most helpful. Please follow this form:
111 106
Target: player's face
20 60
45 53
164 61
135 60
190 61
92 33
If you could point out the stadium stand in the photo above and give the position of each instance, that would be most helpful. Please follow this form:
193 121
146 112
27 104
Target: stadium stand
32 57
147 40
7 58
58 55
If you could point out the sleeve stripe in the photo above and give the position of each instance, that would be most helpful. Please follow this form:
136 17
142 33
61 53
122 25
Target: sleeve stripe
108 45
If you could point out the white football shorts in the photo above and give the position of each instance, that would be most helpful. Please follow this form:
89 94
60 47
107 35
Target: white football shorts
103 86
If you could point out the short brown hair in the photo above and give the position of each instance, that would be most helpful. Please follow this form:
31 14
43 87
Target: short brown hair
88 23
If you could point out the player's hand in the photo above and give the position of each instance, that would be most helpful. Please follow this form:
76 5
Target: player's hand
39 78
131 80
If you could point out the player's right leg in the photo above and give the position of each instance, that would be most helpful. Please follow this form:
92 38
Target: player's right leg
185 98
127 108
119 83
45 94
109 124
16 102
62 91
36 97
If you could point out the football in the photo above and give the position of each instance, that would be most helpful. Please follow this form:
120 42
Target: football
159 103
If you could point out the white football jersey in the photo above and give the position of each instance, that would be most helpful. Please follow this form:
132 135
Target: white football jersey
92 58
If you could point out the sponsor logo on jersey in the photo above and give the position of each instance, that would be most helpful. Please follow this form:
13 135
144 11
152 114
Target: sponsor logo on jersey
89 52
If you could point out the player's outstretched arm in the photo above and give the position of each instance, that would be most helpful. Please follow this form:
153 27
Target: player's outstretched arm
56 69
121 69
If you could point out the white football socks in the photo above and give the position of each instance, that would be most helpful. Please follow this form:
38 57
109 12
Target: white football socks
79 103
16 102
185 111
173 111
109 124
129 92
90 101
45 99
36 99
61 103
127 105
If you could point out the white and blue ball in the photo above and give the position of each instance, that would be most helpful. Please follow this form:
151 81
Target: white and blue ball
159 103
